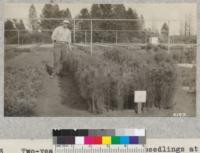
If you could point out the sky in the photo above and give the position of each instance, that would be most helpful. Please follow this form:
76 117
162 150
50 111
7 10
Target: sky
159 13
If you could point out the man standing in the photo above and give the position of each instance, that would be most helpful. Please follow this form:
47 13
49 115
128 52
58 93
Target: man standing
61 38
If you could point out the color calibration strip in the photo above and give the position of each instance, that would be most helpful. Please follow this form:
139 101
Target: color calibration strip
99 136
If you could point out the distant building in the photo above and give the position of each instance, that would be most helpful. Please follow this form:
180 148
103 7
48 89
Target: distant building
154 40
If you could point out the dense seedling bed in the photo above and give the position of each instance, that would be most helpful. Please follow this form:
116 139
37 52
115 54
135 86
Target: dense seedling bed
22 87
108 78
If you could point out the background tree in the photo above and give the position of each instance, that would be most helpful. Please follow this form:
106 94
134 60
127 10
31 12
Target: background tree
114 11
65 14
164 32
119 12
33 18
106 13
9 25
10 36
53 11
96 13
17 31
20 25
23 33
142 33
133 25
50 11
83 25
142 22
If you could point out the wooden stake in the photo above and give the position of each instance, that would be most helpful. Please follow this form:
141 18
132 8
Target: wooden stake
139 108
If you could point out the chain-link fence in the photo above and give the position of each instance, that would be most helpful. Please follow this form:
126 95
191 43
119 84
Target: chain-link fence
172 34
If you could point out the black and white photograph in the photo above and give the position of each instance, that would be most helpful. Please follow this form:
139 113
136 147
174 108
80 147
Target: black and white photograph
100 60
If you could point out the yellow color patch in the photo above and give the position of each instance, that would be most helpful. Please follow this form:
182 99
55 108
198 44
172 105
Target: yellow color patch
106 140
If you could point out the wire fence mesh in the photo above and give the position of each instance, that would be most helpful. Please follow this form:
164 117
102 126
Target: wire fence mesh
89 32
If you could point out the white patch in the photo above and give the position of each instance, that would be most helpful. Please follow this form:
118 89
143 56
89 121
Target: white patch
154 40
79 140
140 96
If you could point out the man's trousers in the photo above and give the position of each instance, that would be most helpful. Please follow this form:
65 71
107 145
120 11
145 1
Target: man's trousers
59 55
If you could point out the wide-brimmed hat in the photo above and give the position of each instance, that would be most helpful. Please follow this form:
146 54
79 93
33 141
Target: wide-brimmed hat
66 21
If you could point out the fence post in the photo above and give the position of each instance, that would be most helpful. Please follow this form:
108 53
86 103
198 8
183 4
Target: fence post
116 37
145 40
91 38
18 38
168 40
85 37
74 38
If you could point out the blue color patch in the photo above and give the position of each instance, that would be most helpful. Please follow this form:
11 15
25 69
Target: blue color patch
124 140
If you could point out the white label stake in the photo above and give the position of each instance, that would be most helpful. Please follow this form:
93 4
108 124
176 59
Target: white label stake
139 98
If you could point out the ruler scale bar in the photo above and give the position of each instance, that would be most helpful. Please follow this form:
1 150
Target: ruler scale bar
105 149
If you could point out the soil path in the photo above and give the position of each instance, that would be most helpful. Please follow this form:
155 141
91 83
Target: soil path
60 98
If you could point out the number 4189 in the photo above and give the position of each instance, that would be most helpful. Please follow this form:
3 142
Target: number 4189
179 114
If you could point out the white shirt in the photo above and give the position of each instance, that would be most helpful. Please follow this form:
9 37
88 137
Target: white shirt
61 34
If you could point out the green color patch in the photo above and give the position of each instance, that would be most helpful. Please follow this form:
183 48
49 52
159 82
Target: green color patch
115 140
